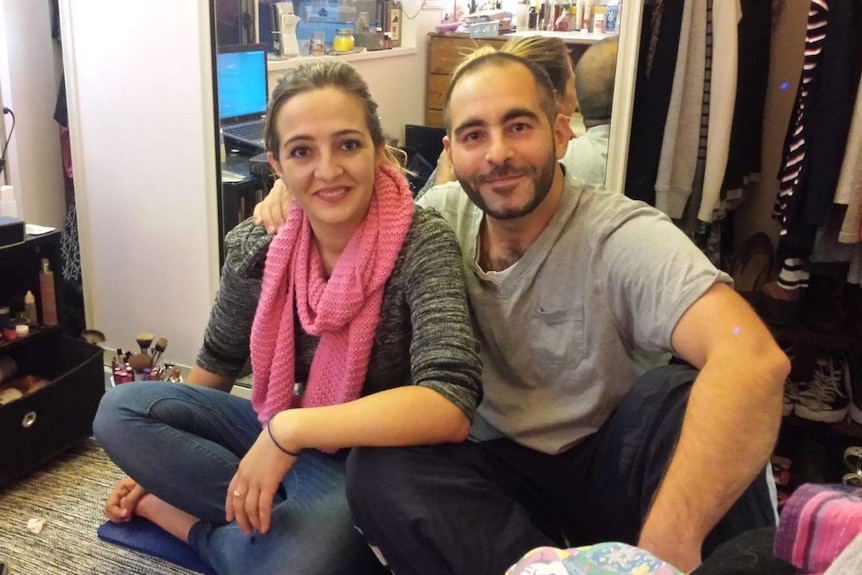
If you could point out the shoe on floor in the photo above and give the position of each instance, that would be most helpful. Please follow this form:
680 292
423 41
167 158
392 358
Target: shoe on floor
827 396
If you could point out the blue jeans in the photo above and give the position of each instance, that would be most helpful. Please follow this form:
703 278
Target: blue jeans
183 443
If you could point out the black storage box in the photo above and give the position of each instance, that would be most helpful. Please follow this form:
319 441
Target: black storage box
41 425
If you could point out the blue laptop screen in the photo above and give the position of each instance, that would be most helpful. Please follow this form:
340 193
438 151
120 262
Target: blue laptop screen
241 84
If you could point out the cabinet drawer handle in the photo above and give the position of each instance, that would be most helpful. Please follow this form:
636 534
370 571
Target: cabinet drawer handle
29 420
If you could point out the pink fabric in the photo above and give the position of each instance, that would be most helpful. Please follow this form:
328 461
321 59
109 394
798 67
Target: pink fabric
817 523
343 311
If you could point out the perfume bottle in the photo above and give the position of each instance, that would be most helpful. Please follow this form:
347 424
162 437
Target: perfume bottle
48 294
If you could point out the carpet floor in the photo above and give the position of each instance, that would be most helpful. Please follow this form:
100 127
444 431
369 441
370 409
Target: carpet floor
69 494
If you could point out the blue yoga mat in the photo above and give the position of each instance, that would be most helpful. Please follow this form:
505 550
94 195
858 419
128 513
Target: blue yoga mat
147 537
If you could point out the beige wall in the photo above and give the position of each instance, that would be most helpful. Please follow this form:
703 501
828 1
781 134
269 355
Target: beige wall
787 53
29 80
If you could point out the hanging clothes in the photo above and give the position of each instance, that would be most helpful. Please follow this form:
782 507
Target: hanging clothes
725 20
656 64
746 137
815 145
678 158
849 190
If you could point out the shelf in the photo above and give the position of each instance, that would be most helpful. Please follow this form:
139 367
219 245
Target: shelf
32 241
275 64
35 333
840 340
846 428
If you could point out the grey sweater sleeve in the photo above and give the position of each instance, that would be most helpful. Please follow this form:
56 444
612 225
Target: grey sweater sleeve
444 352
225 347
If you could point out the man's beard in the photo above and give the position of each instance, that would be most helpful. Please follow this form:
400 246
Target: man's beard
542 180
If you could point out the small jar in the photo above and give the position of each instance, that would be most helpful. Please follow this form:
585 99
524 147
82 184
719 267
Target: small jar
343 41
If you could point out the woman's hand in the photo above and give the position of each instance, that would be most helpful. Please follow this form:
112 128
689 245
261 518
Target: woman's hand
274 209
445 171
121 503
250 493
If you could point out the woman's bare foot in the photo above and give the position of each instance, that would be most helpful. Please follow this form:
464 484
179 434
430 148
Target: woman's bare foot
173 520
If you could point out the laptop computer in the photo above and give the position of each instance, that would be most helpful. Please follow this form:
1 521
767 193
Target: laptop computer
242 95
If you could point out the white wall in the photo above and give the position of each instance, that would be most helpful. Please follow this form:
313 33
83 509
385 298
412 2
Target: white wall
141 120
29 84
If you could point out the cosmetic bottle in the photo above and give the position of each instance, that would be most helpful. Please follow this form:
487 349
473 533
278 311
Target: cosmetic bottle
8 206
30 308
48 294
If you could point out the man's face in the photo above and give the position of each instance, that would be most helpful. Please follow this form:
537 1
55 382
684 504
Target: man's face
502 147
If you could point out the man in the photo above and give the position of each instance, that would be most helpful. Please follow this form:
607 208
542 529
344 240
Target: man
587 155
572 445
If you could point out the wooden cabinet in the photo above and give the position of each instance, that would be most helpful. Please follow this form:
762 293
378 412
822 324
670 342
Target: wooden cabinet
446 50
444 54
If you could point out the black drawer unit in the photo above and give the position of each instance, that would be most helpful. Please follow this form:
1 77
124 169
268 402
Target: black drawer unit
48 421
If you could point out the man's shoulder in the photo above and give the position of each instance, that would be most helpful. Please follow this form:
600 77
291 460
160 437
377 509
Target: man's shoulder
445 196
450 201
609 207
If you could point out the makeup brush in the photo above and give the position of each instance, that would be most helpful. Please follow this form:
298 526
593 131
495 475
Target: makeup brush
140 361
144 341
159 349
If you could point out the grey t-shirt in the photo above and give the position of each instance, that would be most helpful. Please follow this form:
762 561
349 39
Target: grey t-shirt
564 333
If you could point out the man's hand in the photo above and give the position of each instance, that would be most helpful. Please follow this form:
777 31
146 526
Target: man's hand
272 212
121 503
669 546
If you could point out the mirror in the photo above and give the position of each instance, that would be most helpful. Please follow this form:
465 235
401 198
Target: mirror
624 92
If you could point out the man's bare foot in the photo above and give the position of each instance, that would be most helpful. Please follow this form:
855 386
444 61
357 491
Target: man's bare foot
173 520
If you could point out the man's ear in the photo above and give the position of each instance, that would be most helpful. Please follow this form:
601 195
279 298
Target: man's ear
562 135
274 164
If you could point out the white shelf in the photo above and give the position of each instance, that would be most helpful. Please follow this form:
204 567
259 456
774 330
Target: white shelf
287 63
574 37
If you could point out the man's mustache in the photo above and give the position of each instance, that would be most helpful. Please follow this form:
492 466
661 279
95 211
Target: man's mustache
501 172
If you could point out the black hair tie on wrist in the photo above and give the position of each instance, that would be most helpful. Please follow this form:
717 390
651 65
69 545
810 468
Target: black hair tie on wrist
271 436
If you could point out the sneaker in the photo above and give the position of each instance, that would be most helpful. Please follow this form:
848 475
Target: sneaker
856 390
827 396
791 396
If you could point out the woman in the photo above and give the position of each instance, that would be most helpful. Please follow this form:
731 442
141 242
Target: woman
362 295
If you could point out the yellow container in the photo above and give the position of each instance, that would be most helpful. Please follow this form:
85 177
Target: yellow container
343 41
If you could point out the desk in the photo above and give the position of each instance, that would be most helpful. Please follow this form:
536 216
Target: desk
245 181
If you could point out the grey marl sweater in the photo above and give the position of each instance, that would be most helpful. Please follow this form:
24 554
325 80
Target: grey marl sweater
424 336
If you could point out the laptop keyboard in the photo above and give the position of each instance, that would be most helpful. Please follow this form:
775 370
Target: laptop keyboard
252 131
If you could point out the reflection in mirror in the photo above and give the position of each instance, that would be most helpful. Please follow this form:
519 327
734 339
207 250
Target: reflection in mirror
241 93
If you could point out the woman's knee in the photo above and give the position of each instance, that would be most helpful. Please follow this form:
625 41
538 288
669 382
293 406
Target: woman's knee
117 407
105 423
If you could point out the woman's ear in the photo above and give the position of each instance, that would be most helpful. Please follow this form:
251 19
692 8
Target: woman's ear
379 155
274 163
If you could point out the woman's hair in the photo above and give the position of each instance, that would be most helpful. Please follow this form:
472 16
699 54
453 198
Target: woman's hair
328 74
549 54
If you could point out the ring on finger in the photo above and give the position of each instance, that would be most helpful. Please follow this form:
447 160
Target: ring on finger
237 494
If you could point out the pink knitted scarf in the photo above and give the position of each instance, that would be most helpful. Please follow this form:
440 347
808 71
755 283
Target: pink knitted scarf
343 311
